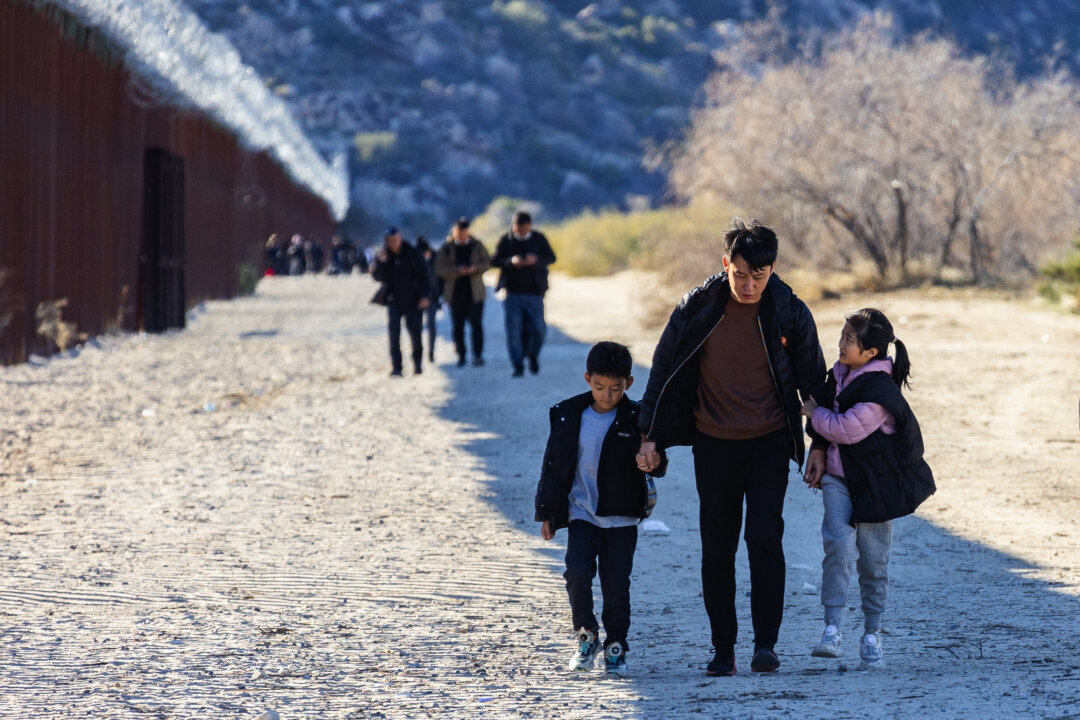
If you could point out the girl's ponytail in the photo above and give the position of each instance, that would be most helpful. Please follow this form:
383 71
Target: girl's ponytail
901 369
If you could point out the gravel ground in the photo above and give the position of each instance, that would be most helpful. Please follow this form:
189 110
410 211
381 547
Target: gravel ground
250 515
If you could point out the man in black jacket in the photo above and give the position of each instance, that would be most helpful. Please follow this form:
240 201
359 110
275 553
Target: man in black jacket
406 292
523 256
726 378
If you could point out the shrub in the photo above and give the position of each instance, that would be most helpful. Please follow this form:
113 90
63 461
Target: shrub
1061 279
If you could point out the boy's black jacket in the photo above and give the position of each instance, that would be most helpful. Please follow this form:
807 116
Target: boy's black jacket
620 484
885 474
791 342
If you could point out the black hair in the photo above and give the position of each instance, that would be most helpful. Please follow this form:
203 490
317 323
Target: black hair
609 359
873 330
522 218
755 243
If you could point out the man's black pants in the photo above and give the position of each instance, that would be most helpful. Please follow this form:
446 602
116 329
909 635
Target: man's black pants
728 471
472 313
413 323
614 547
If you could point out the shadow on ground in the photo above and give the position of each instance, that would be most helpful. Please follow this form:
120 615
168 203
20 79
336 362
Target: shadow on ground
968 629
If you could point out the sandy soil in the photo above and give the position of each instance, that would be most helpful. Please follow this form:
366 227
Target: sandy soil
250 515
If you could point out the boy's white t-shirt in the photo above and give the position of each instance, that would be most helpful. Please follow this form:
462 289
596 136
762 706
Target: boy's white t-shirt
584 493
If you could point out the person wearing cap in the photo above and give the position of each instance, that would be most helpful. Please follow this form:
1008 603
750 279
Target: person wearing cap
406 293
461 262
523 256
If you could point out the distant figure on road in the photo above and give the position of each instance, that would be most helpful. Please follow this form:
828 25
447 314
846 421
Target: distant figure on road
461 263
406 293
436 292
592 483
276 261
874 473
297 261
727 376
523 256
342 255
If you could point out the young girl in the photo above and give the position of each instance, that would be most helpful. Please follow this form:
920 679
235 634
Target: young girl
875 473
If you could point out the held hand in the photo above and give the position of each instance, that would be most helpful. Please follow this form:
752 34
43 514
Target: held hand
815 469
531 259
425 303
647 458
545 530
381 256
517 261
464 270
809 407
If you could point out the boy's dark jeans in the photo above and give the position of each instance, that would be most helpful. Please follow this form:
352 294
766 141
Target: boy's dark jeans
473 313
614 547
413 323
728 471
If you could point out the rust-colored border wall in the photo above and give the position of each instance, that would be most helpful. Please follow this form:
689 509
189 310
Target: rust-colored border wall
74 127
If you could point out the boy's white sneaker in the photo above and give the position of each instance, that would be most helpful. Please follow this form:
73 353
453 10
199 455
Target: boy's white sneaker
870 656
588 646
615 660
829 645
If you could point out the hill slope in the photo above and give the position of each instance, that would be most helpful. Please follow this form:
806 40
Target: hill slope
443 105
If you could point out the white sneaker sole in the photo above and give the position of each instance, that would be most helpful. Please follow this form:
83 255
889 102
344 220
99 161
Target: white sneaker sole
872 666
825 651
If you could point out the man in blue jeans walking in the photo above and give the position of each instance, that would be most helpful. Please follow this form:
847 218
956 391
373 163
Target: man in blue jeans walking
523 256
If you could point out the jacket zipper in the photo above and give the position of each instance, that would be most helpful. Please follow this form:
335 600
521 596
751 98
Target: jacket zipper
652 423
776 387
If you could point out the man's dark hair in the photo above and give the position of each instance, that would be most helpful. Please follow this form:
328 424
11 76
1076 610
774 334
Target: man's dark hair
609 359
755 243
522 218
462 223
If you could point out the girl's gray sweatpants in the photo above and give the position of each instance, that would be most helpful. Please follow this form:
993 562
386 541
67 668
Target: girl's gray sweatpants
868 542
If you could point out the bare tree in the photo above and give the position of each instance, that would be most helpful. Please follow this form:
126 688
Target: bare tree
896 153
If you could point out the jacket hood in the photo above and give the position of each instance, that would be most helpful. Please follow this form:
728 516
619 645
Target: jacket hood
844 375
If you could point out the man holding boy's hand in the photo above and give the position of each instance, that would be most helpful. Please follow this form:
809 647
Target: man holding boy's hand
727 375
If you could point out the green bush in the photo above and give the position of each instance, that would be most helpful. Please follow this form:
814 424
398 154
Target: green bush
1062 279
605 242
247 277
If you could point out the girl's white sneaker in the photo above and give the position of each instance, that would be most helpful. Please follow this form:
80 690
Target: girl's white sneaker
870 655
829 645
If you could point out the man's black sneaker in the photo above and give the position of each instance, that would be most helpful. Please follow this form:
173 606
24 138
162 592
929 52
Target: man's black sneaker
518 372
722 665
534 366
478 362
461 361
417 369
764 660
395 373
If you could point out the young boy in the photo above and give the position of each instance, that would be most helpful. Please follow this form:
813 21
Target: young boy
591 483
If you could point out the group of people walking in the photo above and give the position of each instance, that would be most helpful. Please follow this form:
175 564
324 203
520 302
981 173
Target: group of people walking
304 255
416 280
736 370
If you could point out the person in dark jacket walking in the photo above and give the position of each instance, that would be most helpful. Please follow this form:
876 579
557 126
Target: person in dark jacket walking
875 473
523 256
461 263
592 483
406 293
432 310
727 375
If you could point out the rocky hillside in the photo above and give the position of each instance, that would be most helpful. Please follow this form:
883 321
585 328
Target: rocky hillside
445 105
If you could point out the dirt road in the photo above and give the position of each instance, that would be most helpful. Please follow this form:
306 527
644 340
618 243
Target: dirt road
250 515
